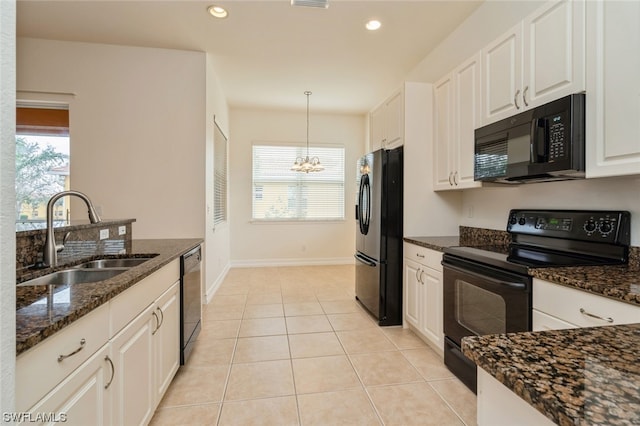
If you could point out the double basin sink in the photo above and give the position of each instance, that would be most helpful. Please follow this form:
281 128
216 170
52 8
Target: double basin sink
88 272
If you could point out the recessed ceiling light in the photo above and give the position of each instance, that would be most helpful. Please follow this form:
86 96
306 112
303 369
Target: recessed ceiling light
373 25
217 11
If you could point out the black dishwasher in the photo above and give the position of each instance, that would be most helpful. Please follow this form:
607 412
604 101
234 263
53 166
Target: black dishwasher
190 301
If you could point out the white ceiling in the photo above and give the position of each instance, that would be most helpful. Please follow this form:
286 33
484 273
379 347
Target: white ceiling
267 53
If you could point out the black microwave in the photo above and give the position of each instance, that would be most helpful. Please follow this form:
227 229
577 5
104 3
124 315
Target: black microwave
541 144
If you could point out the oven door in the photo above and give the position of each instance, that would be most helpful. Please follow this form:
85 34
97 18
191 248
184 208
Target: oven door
480 300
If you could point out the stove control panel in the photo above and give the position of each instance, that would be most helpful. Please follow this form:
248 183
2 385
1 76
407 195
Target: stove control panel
607 226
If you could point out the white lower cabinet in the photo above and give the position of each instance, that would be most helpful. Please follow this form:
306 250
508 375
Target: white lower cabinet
146 356
132 387
123 381
167 341
423 294
499 406
82 398
556 307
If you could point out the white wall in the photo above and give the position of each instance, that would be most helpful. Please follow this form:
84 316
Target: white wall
137 128
488 207
290 243
218 240
7 212
620 193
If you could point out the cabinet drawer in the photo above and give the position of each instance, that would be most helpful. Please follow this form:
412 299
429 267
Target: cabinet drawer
541 322
566 304
128 304
38 369
425 256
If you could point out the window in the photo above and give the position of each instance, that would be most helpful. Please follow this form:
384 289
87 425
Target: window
219 176
42 163
282 194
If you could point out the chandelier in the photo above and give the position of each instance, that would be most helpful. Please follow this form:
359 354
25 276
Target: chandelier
307 164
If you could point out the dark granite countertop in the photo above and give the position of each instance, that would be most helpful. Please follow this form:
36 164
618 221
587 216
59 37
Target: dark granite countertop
36 319
434 243
582 376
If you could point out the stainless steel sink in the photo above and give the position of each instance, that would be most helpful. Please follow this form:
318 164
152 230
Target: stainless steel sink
113 263
75 276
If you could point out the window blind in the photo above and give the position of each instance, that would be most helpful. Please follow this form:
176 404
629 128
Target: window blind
219 176
282 194
42 121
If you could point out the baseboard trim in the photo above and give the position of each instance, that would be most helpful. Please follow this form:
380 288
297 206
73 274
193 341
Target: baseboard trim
211 291
263 263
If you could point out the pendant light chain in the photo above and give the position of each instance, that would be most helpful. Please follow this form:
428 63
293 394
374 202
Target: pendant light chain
307 164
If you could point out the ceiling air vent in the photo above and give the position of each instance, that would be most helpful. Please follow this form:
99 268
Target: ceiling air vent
324 4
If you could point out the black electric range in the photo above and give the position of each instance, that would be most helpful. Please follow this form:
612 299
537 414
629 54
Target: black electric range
487 290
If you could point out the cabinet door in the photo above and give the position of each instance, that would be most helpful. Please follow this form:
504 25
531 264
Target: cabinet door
81 399
467 107
613 89
376 128
132 355
554 38
443 133
167 339
431 326
394 121
412 292
502 76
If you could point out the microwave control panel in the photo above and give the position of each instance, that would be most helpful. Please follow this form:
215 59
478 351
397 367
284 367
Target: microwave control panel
601 226
557 136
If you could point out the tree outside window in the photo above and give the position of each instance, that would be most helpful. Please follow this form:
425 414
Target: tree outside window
42 165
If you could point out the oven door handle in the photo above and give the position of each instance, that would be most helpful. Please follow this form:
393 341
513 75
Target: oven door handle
512 285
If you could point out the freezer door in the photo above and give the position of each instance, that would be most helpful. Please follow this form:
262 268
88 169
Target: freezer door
368 283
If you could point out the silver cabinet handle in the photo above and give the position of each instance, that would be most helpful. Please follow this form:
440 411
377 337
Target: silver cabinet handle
420 255
421 280
82 343
450 175
157 323
524 96
583 312
417 274
455 181
161 316
515 99
113 371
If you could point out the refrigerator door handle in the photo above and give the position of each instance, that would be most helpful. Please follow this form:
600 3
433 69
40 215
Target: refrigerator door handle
363 209
361 259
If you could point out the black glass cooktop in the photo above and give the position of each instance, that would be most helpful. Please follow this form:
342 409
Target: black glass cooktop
520 258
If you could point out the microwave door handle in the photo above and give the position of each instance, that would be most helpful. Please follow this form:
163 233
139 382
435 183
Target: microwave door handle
538 140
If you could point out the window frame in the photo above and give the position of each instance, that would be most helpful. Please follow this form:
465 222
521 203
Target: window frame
298 146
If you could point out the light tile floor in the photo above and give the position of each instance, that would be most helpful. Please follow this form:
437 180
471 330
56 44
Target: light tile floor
291 346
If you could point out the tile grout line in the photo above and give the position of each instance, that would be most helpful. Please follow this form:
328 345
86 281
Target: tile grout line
233 354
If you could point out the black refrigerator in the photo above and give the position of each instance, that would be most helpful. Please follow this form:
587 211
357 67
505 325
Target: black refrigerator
379 235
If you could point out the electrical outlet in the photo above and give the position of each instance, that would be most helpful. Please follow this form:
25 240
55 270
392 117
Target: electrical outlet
104 234
122 230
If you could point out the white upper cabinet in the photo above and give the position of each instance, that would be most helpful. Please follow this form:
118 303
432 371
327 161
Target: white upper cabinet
539 60
613 89
467 111
502 80
457 110
443 132
386 123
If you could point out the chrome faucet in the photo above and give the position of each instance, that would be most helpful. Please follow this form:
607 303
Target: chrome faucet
51 249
